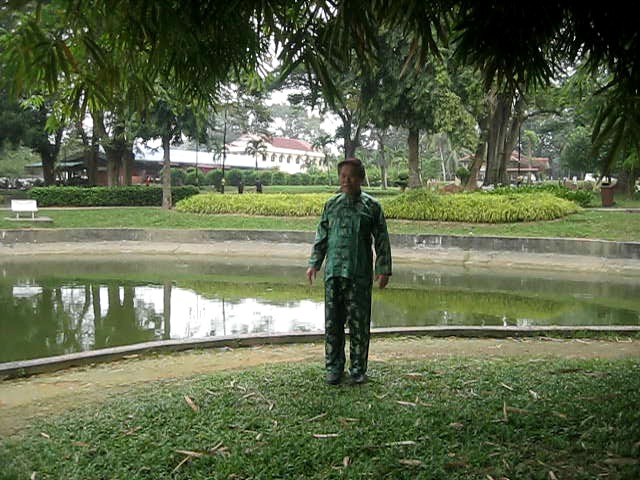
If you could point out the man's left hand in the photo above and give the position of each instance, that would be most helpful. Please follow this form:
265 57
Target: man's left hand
382 280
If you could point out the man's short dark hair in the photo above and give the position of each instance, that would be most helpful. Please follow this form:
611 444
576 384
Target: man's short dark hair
356 163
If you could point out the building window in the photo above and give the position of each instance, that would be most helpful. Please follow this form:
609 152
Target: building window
273 157
298 160
264 157
288 158
281 158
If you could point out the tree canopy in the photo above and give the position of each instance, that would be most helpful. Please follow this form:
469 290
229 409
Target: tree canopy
100 46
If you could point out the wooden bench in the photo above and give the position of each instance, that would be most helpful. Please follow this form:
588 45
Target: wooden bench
24 206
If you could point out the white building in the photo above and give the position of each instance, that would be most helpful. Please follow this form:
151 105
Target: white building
285 154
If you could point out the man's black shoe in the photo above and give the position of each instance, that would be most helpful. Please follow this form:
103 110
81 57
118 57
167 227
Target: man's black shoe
333 378
358 378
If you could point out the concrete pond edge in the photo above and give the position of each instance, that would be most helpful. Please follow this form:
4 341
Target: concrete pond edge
525 245
25 368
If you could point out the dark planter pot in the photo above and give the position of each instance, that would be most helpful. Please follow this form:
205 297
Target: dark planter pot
606 194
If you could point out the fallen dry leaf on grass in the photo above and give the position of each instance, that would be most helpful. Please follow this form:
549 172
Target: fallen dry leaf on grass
406 404
506 409
190 453
191 403
326 435
411 462
312 419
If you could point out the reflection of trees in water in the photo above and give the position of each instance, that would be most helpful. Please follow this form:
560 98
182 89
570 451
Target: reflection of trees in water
408 307
122 324
166 312
65 319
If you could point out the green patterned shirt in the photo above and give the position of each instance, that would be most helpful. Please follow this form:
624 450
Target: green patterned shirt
344 236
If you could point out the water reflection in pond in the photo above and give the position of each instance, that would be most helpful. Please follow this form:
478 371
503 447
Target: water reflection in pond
63 306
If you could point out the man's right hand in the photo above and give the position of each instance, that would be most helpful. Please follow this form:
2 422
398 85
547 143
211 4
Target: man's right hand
311 274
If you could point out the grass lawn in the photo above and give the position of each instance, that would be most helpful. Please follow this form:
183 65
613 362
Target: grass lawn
606 225
525 418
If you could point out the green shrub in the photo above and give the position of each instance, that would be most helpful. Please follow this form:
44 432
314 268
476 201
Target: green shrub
294 179
477 207
414 205
249 177
178 176
265 177
279 178
277 204
233 177
581 197
402 180
194 177
463 174
213 177
135 195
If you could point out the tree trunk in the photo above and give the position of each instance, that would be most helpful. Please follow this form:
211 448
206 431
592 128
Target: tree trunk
494 139
479 156
415 181
88 154
511 138
48 167
127 161
382 162
506 118
166 172
113 165
48 156
92 161
351 143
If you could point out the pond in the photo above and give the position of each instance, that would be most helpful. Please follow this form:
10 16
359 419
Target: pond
66 305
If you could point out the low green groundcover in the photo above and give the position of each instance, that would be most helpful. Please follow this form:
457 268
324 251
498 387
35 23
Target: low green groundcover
414 205
531 418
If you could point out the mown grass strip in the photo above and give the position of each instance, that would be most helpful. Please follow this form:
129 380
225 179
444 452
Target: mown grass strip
591 224
453 418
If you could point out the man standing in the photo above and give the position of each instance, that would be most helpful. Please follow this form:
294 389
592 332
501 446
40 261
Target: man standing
350 222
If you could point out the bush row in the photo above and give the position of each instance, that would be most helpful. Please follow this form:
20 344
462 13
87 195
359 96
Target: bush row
581 197
135 195
276 204
414 205
478 207
249 177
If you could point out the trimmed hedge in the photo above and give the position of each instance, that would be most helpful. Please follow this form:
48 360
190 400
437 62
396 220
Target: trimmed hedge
581 197
413 205
135 195
272 204
477 207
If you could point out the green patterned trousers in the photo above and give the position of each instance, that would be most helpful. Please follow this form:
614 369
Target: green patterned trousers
347 302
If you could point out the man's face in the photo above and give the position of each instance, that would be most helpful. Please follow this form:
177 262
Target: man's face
350 180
